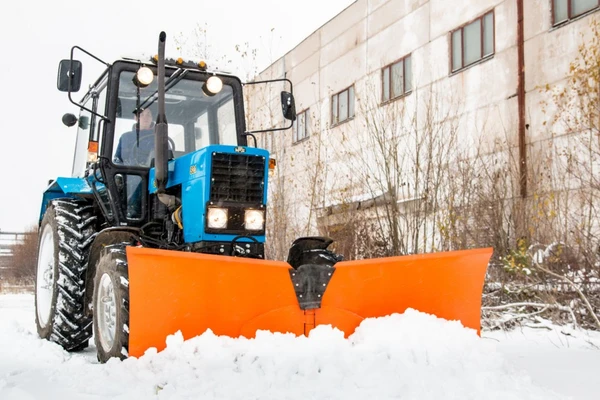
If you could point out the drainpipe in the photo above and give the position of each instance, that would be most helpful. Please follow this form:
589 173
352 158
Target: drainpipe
521 100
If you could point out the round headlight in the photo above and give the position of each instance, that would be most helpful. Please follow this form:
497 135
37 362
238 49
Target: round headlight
144 76
254 220
214 84
217 218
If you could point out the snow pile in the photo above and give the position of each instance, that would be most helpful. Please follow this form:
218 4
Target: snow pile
411 356
408 356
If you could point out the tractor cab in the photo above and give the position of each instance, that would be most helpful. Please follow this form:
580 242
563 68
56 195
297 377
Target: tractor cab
197 117
116 141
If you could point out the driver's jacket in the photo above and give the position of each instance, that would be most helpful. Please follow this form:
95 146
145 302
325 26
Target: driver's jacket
131 152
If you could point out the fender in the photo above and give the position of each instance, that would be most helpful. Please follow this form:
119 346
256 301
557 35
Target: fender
64 187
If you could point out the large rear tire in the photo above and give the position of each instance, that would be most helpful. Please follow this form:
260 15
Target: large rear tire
66 233
111 304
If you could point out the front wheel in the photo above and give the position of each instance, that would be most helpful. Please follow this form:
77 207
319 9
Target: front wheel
111 304
66 233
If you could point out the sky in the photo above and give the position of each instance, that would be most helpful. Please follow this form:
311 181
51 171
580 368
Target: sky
35 146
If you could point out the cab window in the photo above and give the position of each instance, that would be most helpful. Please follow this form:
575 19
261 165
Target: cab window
195 119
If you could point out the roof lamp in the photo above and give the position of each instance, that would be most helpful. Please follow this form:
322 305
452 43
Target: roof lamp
144 76
213 85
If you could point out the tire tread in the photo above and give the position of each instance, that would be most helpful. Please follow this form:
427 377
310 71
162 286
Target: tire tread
74 223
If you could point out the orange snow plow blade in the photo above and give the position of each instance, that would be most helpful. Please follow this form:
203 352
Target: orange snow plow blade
173 291
447 284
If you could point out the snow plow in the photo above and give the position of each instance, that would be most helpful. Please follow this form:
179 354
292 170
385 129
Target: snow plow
161 227
236 297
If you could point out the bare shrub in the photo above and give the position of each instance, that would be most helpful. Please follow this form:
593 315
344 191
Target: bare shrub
19 268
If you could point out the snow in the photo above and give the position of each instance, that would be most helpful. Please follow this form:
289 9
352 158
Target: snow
408 356
560 358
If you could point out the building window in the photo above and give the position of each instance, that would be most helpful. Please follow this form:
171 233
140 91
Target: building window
342 106
301 129
397 79
473 42
564 10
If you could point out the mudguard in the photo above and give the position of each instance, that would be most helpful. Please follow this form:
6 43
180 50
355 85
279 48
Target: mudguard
173 291
63 187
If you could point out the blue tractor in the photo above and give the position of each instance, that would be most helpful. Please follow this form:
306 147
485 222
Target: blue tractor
186 181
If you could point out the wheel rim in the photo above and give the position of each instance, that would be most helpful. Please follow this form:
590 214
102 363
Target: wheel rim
45 276
107 312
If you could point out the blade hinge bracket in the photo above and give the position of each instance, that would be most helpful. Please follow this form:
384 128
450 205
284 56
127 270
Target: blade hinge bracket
310 282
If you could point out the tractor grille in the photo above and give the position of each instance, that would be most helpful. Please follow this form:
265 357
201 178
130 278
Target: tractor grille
238 178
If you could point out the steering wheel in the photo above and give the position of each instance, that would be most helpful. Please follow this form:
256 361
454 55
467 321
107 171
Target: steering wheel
171 143
144 160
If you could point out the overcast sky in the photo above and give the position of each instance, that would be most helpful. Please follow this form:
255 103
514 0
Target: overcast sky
35 35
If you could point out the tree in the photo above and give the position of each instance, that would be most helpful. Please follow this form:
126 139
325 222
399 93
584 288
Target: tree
574 118
397 157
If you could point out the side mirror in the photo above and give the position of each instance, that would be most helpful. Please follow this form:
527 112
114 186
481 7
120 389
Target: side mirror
288 106
69 76
69 119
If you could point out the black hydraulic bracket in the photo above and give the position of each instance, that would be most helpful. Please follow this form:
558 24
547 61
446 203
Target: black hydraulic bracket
312 250
310 282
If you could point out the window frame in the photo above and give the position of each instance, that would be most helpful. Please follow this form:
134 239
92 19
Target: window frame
306 121
83 135
461 28
335 122
390 81
570 17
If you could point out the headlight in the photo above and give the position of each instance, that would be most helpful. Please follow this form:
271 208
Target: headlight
254 220
217 218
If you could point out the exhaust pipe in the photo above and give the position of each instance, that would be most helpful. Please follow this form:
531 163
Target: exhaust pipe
161 144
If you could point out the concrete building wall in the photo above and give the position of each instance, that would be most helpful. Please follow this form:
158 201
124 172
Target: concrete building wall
352 49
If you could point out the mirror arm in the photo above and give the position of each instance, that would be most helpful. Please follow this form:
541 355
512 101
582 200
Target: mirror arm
271 81
104 118
269 130
89 54
69 82
252 136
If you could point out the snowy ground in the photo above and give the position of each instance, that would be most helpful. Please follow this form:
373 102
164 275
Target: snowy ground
409 356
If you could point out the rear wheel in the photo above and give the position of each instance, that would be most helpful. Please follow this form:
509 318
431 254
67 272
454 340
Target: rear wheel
66 232
111 304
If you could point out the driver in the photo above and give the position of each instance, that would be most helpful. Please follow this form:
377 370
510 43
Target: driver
129 150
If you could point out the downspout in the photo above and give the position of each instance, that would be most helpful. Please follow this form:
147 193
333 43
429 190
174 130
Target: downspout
521 100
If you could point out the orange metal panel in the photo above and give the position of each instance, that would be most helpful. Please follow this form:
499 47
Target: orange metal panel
447 284
171 291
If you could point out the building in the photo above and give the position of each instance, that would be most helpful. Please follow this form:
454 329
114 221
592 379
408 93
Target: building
388 83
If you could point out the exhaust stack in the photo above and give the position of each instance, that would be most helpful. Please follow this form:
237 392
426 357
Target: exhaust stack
161 144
